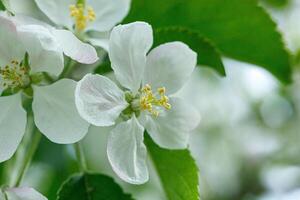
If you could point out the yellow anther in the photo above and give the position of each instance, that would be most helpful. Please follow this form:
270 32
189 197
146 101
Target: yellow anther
161 90
73 11
148 100
91 14
81 18
167 106
147 88
14 75
164 99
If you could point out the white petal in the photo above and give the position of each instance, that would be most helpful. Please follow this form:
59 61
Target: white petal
100 42
45 54
21 19
99 39
128 47
11 47
171 128
99 101
12 125
95 146
24 193
74 48
127 152
58 11
25 7
55 112
170 65
108 13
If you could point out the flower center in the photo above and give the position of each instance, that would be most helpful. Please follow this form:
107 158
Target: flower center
82 15
150 101
14 75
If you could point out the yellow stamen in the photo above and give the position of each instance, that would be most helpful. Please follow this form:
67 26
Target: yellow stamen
14 75
80 16
161 90
148 100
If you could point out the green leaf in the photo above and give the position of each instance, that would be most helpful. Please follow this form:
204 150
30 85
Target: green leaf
277 3
207 53
239 28
2 7
103 68
91 187
177 170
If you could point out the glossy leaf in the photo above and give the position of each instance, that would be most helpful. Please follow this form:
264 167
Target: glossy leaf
240 29
177 171
277 3
103 68
91 187
1 6
208 55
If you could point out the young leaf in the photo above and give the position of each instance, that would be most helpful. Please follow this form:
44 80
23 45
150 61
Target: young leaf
91 187
240 29
177 170
207 53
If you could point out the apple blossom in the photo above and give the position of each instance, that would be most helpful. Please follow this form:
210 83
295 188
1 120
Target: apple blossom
27 53
91 20
144 102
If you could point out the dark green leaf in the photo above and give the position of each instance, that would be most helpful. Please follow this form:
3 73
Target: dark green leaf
207 54
104 68
239 28
91 187
277 3
1 6
1 174
177 171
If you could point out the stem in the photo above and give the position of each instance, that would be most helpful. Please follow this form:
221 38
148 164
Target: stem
80 157
32 147
48 77
81 2
68 69
26 150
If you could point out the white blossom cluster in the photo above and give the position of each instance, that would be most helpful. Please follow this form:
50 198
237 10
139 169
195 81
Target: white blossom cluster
40 42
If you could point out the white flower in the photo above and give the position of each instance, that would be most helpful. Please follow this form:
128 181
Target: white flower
53 105
25 7
147 101
91 20
21 193
58 41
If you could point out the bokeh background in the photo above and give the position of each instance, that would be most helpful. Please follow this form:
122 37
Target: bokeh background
246 146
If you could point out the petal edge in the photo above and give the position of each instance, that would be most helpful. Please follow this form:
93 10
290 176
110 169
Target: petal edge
99 100
55 113
127 153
